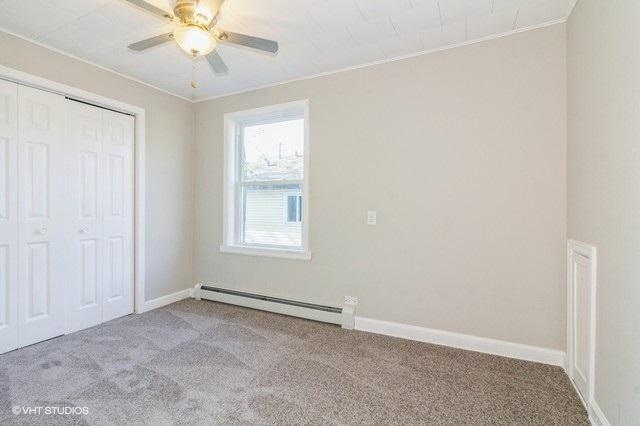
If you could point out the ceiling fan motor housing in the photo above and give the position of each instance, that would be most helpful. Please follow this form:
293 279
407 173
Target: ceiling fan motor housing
187 13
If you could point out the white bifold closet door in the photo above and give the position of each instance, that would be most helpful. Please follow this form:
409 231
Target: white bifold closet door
66 215
101 275
8 216
118 215
43 209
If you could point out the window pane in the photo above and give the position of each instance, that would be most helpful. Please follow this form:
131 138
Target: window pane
266 210
292 208
273 151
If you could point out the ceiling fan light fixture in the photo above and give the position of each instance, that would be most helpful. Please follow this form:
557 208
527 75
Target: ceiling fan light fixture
194 39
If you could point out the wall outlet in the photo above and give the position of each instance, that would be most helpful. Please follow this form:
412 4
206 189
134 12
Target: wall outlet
371 217
351 300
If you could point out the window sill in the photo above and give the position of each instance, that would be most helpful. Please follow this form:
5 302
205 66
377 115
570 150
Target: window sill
267 252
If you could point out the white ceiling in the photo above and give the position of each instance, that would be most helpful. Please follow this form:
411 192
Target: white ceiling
315 36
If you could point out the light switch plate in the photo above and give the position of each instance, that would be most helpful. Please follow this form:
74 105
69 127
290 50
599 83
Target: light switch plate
372 217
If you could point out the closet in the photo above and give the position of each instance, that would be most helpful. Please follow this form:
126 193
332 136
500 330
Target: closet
66 215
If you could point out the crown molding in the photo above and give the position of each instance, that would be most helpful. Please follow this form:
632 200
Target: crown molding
386 61
86 61
309 77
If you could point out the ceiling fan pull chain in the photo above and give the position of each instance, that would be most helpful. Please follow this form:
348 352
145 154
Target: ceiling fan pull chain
193 73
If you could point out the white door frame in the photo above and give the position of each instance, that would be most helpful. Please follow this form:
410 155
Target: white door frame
579 248
26 79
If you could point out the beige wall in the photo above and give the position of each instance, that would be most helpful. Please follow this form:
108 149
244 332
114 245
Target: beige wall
604 187
169 155
462 154
464 163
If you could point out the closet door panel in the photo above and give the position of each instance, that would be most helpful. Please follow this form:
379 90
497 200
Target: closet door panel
118 215
85 138
8 216
43 166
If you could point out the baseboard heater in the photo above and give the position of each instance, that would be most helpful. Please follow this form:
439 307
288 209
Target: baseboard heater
341 316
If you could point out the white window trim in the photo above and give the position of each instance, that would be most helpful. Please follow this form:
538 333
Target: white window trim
231 177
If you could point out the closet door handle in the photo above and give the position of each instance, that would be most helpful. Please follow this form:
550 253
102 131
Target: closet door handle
42 231
83 230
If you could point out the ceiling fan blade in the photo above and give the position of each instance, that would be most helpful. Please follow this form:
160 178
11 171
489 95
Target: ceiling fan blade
151 42
151 8
257 43
216 62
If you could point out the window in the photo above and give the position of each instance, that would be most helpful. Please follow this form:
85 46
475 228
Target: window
266 177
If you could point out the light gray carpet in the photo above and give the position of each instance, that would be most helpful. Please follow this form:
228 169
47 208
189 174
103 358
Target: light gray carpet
199 362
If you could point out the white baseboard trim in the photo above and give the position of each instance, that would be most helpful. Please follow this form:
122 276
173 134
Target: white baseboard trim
159 302
596 416
462 341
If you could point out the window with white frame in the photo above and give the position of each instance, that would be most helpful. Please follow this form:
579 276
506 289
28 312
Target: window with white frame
266 181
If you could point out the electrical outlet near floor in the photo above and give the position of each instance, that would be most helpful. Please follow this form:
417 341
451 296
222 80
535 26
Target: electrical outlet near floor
351 300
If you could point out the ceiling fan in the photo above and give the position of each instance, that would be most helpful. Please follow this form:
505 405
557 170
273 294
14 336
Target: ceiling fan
196 31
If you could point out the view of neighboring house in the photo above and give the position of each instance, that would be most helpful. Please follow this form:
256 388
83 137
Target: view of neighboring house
273 216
